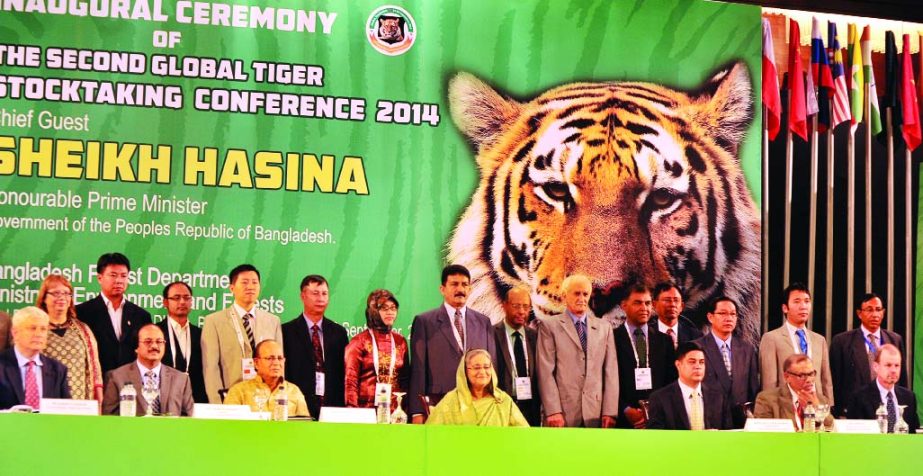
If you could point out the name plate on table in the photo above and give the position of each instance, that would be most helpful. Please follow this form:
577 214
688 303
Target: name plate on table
66 406
770 425
857 426
214 411
347 415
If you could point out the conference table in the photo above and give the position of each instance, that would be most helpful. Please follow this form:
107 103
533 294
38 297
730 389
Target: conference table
33 444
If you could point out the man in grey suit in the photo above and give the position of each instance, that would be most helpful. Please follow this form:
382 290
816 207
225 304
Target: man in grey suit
577 366
516 354
230 335
440 337
731 362
794 338
175 387
852 351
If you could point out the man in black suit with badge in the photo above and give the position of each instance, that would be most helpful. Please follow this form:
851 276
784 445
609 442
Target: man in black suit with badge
183 350
687 403
516 351
113 319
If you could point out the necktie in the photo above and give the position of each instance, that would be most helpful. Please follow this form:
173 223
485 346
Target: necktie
873 349
892 413
32 398
150 380
249 330
460 328
641 347
802 342
799 411
318 348
179 360
726 356
697 419
673 336
520 355
581 334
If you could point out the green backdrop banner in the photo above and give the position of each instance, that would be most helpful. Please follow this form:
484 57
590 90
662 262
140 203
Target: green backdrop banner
325 137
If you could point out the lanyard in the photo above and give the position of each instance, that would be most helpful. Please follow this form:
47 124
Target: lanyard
240 336
375 355
509 344
868 343
174 344
647 348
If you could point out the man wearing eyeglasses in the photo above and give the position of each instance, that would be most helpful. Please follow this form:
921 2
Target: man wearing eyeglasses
731 362
183 350
793 337
175 397
516 346
852 352
113 319
270 381
791 398
668 305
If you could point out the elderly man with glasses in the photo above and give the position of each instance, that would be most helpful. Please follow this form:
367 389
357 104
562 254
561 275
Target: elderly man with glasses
268 383
790 399
174 395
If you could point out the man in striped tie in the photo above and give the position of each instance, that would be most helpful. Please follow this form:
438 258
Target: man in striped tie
688 403
26 376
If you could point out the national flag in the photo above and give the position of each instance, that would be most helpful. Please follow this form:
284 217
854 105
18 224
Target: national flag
892 95
821 76
874 110
911 110
797 113
771 97
856 91
920 69
810 97
840 97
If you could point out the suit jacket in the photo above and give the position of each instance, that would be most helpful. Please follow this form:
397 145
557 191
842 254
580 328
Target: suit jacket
175 390
531 409
667 409
866 400
849 364
686 330
5 338
661 361
582 387
776 345
744 383
194 360
113 351
300 363
777 403
434 354
12 393
221 348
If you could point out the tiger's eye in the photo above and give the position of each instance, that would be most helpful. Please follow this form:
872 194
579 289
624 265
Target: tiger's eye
662 198
556 191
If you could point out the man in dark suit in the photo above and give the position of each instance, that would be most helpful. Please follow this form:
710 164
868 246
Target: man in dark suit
183 350
175 397
113 320
885 391
314 347
852 351
26 376
732 364
439 338
645 357
668 305
516 350
688 403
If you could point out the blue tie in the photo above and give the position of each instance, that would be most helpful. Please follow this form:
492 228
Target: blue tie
581 333
802 342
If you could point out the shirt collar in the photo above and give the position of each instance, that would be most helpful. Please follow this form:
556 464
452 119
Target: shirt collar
663 327
576 319
451 310
792 329
794 394
883 391
310 323
109 303
176 326
687 390
242 312
510 330
144 369
866 332
631 329
720 342
22 360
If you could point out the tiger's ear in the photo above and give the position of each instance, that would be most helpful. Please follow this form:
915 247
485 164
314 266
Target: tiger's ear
726 105
479 111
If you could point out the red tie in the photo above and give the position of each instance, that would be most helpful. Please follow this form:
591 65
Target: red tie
318 348
32 398
672 336
800 412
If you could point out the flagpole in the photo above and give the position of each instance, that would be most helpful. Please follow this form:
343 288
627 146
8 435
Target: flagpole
789 151
891 275
868 190
765 225
850 224
828 291
908 255
812 217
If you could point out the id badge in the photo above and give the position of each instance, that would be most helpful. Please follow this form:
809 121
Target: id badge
247 369
319 384
643 379
523 388
383 393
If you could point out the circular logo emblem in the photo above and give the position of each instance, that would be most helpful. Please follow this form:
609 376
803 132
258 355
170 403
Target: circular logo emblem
391 30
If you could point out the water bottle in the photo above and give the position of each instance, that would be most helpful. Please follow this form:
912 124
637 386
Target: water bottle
383 407
809 418
280 412
881 415
127 400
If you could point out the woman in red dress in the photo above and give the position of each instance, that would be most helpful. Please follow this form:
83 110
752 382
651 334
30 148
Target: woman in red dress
377 355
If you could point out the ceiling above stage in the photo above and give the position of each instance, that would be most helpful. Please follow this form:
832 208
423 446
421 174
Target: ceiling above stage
906 10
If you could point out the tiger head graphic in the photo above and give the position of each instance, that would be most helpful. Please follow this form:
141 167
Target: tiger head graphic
620 181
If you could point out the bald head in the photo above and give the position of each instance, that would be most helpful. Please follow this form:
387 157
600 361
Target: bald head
517 306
